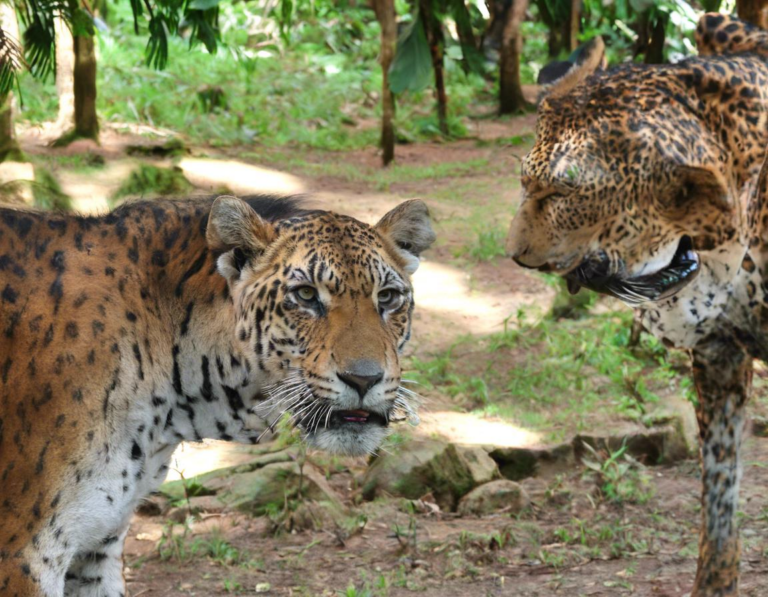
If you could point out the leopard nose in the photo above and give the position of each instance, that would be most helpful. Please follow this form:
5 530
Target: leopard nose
362 375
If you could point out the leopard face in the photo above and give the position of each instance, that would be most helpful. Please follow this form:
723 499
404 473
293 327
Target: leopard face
629 186
323 305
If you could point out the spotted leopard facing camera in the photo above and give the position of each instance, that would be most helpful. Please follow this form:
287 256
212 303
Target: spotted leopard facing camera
648 183
124 335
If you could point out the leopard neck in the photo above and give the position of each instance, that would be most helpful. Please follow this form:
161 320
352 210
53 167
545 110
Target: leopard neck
207 385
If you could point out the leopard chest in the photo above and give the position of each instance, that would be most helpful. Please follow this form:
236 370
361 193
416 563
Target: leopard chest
724 293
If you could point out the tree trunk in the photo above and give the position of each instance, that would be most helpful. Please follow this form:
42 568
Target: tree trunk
654 53
86 122
385 14
753 11
554 42
511 99
434 32
65 66
571 38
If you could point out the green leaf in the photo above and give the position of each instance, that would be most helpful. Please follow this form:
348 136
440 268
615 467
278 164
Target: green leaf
411 69
11 62
203 4
473 58
157 46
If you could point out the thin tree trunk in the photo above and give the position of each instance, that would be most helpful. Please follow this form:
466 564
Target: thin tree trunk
65 66
654 53
434 32
9 145
574 26
554 42
385 14
753 11
86 121
511 99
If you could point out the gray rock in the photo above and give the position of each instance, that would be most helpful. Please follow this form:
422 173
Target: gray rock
516 464
154 505
502 495
431 466
659 445
211 482
481 466
272 485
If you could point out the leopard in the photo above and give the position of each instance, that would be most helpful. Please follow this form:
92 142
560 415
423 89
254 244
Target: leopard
126 333
648 183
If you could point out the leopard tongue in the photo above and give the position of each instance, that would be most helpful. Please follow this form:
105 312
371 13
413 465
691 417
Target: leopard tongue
573 286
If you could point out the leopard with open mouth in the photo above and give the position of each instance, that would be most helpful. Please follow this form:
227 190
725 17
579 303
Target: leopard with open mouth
648 183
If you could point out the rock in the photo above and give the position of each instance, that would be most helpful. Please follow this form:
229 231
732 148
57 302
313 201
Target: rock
206 503
759 426
154 505
481 466
317 516
257 491
659 445
680 414
516 464
501 495
213 481
424 466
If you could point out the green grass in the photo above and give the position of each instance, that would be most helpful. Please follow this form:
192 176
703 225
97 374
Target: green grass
551 376
311 93
488 244
151 181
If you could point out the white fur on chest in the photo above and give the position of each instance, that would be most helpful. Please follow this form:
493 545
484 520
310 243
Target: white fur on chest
719 291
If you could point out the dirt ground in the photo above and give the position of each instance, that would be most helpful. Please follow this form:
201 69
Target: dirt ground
643 550
570 542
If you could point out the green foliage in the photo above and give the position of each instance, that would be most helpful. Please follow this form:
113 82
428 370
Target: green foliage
151 181
411 69
488 245
620 478
47 192
617 22
177 545
548 374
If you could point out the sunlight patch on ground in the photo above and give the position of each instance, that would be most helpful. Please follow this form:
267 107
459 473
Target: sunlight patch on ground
238 177
448 306
196 458
469 429
90 191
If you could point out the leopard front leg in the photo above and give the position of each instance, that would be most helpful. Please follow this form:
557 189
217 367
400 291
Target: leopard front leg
98 572
722 372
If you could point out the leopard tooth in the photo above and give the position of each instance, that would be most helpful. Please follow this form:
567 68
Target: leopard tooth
573 286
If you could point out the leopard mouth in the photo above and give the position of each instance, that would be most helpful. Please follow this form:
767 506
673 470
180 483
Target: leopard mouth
662 284
361 418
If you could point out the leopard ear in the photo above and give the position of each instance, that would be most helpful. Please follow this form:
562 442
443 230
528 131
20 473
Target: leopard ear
591 59
236 229
409 228
700 186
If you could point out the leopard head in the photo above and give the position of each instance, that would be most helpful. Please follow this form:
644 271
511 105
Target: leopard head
626 184
323 308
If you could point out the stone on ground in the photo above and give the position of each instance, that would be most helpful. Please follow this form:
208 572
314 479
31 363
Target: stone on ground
497 496
269 481
517 464
420 467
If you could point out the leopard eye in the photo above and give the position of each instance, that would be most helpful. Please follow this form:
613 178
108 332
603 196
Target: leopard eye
386 298
306 293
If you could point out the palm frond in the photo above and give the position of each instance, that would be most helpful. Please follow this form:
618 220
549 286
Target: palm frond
11 61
